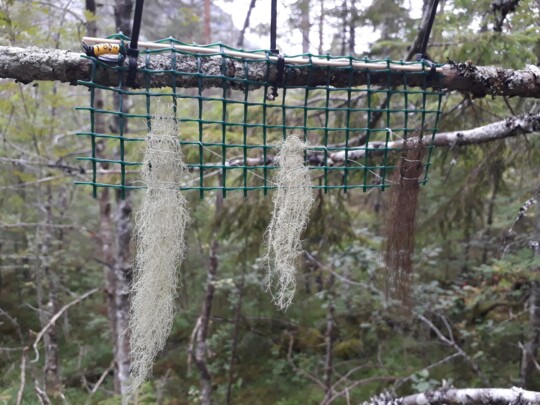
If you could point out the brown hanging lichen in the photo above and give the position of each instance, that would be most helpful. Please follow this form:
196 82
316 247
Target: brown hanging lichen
400 224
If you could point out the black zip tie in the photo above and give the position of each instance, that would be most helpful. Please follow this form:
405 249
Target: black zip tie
132 54
132 51
279 78
273 49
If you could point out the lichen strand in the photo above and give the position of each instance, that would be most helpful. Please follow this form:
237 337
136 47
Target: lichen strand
160 225
292 204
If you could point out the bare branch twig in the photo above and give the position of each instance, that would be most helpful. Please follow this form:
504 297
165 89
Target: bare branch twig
56 316
456 347
23 377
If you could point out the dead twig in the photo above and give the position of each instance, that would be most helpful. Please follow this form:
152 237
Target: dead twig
42 395
451 342
55 317
99 382
23 377
298 370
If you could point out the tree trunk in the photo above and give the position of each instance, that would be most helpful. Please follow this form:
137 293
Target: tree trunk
496 172
240 43
321 27
205 378
122 266
352 28
305 24
122 16
343 38
329 358
236 333
106 229
123 275
422 30
529 365
207 21
47 290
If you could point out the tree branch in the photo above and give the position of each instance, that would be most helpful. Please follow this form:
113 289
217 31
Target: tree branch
20 393
466 396
32 63
451 342
509 127
58 315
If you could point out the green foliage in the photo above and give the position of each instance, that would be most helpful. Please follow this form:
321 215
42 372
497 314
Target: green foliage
464 283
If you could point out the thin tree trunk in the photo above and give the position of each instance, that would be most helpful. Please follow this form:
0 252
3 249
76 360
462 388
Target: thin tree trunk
91 26
106 234
413 51
207 21
47 289
352 28
305 24
329 343
106 237
529 365
496 175
115 245
201 335
123 16
236 332
246 24
321 27
205 378
123 275
343 39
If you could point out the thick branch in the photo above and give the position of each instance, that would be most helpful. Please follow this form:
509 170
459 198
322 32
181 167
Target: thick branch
509 127
467 396
30 64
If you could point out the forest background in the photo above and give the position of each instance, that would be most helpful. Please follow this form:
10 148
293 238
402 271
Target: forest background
476 287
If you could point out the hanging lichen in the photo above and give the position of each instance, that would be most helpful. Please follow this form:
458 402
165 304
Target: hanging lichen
400 224
292 200
160 224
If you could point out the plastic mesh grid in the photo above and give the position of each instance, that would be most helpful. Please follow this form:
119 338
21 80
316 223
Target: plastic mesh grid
228 128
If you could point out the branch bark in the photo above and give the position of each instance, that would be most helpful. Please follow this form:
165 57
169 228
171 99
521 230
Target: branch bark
30 64
55 317
236 333
240 42
529 364
466 396
507 128
452 343
329 358
202 326
122 279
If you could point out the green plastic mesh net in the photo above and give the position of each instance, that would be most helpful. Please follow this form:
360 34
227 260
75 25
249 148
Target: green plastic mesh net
233 107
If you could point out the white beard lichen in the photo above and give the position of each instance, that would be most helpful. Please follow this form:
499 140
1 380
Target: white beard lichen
292 200
160 225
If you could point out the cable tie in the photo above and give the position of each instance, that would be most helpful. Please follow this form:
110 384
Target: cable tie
279 77
133 55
